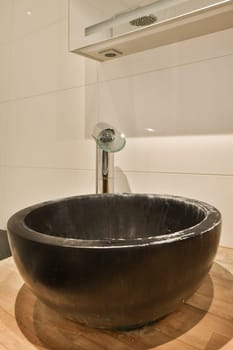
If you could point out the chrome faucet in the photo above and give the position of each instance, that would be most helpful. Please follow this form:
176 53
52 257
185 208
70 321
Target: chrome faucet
108 141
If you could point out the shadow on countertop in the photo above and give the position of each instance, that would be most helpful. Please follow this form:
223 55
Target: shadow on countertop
4 245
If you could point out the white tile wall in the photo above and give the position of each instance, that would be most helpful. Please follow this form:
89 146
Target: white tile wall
6 7
203 154
3 128
50 100
5 55
217 190
41 63
2 196
29 16
47 130
175 55
26 186
187 99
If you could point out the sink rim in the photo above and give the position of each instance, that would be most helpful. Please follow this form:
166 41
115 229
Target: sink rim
16 224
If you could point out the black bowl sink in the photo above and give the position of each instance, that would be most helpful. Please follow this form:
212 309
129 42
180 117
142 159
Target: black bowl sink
115 260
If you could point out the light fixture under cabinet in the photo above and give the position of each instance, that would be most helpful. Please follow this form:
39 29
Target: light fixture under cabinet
103 29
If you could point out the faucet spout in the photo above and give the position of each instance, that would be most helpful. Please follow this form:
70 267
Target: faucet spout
108 141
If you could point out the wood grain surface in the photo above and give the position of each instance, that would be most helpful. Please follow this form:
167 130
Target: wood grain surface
205 321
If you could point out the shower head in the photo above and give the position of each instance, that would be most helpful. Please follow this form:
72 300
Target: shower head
143 21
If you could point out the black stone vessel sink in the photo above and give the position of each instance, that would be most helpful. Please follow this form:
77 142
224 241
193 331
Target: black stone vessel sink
115 260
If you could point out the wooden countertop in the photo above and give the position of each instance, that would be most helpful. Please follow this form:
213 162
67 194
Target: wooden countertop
204 322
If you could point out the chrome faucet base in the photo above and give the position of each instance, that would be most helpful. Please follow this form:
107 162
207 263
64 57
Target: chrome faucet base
104 171
108 141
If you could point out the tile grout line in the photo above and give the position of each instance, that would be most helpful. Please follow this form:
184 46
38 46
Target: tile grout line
212 58
100 81
117 172
178 173
46 93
